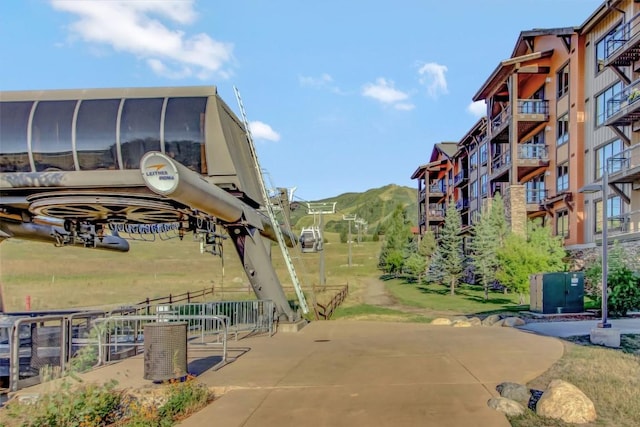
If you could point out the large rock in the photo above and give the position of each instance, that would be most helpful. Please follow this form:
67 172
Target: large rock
462 324
475 321
514 391
564 401
506 406
441 321
491 319
513 321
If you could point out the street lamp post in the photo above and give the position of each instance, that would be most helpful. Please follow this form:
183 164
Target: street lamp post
604 187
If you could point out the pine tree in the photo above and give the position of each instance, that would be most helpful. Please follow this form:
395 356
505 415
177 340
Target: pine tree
484 246
451 247
395 248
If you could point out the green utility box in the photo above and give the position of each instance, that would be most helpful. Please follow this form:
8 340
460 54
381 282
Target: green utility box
555 293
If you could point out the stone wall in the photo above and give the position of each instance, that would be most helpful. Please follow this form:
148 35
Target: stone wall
515 208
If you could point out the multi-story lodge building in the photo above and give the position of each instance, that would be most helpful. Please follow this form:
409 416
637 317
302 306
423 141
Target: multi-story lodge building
559 109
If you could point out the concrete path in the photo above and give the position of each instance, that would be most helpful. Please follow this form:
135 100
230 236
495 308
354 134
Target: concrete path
351 373
580 327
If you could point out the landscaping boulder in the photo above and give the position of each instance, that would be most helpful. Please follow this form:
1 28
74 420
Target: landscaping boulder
514 391
491 319
497 323
564 401
475 321
513 321
441 321
506 406
462 324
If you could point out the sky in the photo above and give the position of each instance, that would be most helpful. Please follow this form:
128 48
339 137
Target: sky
342 95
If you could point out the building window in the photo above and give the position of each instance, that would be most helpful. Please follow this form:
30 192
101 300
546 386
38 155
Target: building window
473 191
607 45
562 178
603 153
483 154
605 103
614 212
483 185
473 160
562 129
562 223
563 80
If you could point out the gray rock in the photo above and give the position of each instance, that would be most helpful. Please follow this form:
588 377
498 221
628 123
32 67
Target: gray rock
491 319
513 321
514 391
498 323
564 401
506 406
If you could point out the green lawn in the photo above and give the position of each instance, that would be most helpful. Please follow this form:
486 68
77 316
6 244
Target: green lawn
467 300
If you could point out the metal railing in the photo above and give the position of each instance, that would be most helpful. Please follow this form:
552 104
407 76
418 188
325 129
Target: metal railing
533 152
533 106
460 177
627 159
617 39
535 195
629 94
51 341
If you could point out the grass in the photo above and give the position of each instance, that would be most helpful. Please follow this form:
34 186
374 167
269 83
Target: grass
372 312
468 299
72 277
611 378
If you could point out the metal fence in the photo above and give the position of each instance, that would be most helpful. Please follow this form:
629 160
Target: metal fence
31 345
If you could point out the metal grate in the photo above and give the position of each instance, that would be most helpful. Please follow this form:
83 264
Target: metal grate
165 350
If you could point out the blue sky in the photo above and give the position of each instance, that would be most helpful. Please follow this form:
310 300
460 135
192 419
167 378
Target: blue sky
342 96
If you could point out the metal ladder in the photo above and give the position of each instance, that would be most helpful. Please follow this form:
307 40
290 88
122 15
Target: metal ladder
270 212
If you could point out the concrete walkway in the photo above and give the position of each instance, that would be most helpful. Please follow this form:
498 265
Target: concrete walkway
580 327
351 373
356 373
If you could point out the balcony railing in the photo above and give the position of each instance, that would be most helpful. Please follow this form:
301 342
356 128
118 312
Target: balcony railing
623 107
438 187
621 45
535 196
499 121
460 178
462 204
533 106
533 152
625 166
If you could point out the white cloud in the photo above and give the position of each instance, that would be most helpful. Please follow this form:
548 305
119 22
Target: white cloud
324 80
404 106
384 91
260 130
432 76
144 29
477 109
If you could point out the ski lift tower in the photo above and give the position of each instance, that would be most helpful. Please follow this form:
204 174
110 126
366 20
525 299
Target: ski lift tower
321 208
349 218
360 224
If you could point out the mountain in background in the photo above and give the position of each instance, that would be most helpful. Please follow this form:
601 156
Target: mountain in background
374 206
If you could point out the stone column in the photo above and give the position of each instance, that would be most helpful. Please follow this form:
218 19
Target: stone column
516 208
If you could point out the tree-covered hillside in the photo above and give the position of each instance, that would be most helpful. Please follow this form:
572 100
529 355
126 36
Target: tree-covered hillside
374 206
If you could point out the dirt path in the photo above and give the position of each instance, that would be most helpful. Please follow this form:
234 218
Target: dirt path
375 293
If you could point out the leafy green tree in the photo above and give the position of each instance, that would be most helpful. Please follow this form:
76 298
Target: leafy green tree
450 248
522 256
623 284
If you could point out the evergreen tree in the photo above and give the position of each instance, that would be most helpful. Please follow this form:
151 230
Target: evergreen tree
484 246
395 248
450 247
